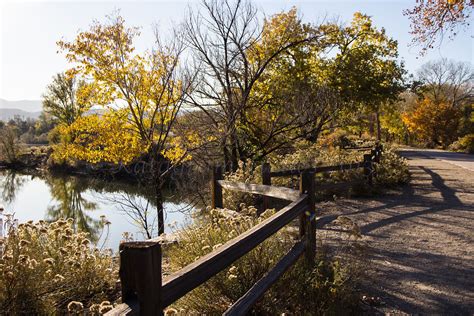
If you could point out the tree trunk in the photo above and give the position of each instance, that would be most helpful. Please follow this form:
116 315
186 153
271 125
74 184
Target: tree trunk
371 124
157 182
235 153
159 206
379 129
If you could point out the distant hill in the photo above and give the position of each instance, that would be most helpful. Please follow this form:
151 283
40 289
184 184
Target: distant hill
7 114
24 105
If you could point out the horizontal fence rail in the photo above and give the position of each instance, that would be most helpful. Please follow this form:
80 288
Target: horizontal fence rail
266 190
295 172
207 266
362 148
144 292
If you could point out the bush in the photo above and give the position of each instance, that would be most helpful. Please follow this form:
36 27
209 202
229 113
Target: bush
392 169
48 268
338 138
321 289
464 144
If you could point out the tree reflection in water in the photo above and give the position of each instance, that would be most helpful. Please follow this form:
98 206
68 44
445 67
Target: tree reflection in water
11 182
78 197
68 192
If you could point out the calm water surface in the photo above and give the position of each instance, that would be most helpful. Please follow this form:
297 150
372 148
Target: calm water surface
86 200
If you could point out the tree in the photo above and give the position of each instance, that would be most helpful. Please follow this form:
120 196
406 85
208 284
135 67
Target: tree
67 98
150 87
447 80
365 70
435 123
293 99
450 83
9 143
232 53
431 19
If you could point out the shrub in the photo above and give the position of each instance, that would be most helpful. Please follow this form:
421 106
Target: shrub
392 169
45 267
313 156
301 290
464 144
338 138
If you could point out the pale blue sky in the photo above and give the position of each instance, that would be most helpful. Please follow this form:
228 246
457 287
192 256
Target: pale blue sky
30 29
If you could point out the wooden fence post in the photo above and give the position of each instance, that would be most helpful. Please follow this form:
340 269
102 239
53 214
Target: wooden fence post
308 218
216 189
379 149
140 275
267 180
368 168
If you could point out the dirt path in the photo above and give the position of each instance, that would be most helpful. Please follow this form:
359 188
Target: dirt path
421 240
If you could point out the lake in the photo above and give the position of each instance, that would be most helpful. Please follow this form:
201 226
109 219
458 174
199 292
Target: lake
128 207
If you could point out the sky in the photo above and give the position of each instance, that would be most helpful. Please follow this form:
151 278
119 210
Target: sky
29 31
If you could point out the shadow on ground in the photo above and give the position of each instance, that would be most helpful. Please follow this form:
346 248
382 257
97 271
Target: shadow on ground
421 240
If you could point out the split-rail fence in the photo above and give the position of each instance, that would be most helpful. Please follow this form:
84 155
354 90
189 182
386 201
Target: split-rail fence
146 292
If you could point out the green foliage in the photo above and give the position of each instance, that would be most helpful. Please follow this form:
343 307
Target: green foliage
464 144
67 98
307 156
392 169
43 267
9 144
325 288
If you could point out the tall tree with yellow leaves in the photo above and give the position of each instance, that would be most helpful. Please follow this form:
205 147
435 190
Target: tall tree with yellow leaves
142 93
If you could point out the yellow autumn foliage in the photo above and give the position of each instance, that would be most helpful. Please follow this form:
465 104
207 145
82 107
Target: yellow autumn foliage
141 94
94 138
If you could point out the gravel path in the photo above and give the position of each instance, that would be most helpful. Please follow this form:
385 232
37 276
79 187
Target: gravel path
421 238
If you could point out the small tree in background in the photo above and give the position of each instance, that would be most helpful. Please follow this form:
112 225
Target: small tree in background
9 144
67 98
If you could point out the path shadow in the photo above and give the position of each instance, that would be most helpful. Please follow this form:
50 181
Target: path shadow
448 194
408 199
437 277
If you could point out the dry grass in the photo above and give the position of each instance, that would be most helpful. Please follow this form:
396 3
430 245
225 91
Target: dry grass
327 287
45 267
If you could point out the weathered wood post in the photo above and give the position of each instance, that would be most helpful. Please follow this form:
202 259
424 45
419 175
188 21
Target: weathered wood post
216 189
267 180
308 218
140 276
368 168
379 149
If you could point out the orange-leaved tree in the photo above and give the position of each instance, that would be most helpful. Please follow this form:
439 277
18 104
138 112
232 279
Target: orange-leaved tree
431 19
435 123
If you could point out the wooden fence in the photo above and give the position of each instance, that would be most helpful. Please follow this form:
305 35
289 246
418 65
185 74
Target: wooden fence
145 292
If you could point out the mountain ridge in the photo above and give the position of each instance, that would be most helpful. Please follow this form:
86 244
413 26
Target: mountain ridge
8 114
23 105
